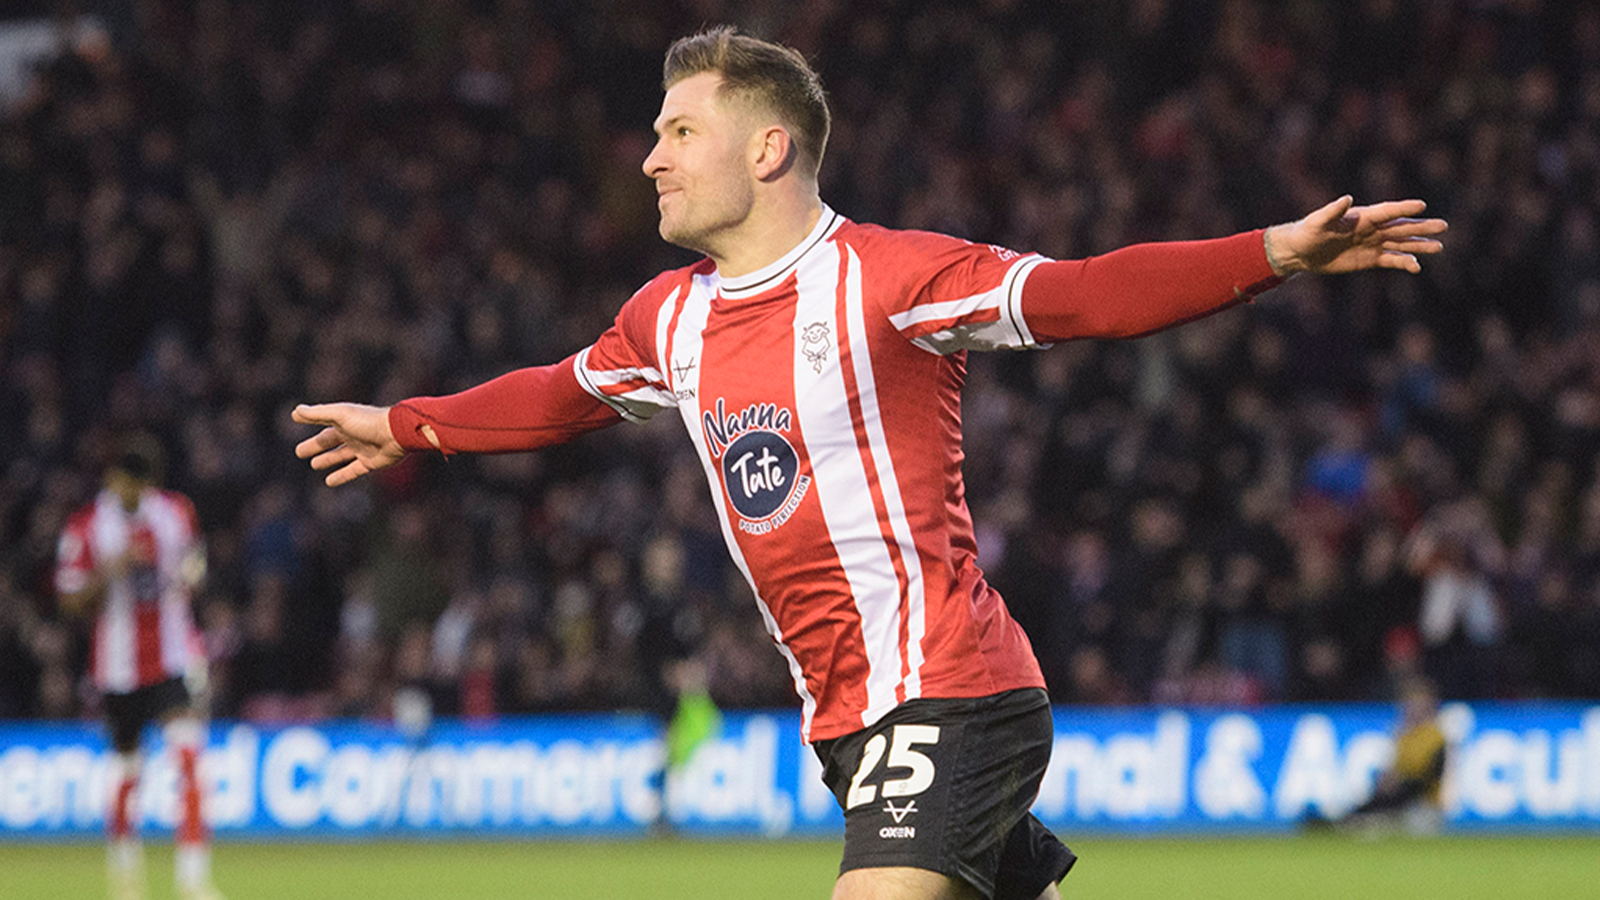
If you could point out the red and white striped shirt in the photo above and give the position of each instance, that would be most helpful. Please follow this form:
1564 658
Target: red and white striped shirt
145 631
823 394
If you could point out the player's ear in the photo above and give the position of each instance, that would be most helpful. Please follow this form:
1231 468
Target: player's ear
771 152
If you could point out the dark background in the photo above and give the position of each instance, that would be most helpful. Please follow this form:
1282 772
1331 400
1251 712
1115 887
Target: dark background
211 211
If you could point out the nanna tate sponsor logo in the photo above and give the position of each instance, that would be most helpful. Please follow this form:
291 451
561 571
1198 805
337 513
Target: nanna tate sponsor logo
760 469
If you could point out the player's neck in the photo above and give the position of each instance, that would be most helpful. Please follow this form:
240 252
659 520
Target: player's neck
771 231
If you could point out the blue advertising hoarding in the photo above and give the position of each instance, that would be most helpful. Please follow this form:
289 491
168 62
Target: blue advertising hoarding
1144 770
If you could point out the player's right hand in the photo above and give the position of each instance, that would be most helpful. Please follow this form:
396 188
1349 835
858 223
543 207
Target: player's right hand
356 440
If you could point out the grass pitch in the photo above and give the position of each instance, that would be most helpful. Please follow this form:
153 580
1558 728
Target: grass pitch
1310 868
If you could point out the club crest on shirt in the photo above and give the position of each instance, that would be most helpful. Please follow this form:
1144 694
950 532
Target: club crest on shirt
814 344
760 469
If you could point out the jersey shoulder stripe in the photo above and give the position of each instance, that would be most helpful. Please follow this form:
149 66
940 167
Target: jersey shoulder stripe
946 294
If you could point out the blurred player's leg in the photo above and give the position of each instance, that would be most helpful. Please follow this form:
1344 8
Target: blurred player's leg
124 854
193 859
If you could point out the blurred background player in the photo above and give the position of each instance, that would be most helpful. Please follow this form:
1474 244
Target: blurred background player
1409 790
130 560
693 720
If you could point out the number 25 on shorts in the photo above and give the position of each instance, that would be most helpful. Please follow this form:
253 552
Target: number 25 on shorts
901 756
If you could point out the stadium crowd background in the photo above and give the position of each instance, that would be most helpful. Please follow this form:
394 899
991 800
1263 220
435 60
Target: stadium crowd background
214 210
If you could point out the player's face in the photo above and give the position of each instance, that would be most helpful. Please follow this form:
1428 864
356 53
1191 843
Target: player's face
127 488
701 164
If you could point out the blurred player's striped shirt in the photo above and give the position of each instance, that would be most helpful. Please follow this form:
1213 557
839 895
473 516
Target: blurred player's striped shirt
145 631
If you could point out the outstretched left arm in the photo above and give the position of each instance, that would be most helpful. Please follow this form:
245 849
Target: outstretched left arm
1146 288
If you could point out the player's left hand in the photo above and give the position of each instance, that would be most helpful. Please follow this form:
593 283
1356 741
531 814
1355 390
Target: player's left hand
1343 237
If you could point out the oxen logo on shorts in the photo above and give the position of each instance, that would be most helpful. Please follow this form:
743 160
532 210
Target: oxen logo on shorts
760 469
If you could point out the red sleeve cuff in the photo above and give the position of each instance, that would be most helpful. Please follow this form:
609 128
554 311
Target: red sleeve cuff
1254 264
406 423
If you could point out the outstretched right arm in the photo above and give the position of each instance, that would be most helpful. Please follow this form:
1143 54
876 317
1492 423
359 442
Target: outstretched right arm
521 410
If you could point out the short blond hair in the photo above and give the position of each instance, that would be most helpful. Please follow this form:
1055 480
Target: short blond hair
772 75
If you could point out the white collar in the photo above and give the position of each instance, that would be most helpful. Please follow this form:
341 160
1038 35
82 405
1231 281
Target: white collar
768 276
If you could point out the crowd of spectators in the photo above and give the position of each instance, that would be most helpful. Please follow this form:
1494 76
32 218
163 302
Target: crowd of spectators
214 210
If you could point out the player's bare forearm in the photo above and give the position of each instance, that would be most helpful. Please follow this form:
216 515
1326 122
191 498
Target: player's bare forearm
1342 237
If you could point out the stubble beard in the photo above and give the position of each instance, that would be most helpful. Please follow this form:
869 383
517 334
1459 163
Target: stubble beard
709 230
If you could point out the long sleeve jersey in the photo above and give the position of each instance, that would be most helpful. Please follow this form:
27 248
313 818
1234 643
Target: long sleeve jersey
823 396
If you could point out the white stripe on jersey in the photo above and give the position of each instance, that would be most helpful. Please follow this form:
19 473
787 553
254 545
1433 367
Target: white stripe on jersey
117 654
822 407
173 543
648 398
622 376
866 387
1010 330
948 309
114 668
686 343
636 405
175 632
663 338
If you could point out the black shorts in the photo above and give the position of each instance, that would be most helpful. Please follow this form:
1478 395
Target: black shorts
128 714
945 785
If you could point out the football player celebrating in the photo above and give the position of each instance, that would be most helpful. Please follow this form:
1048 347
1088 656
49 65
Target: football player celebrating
817 364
